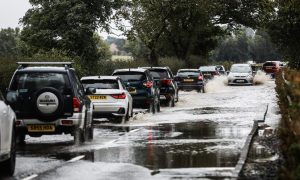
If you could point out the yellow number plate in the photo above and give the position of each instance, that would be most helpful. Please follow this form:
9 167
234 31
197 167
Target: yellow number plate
41 128
97 97
188 80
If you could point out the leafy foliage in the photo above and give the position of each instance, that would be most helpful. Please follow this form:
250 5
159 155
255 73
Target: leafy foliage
284 28
68 26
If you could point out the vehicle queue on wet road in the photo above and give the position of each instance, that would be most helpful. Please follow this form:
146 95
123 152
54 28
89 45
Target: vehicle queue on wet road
51 100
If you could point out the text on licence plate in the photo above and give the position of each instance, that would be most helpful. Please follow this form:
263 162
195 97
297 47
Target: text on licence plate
41 128
240 81
97 97
188 80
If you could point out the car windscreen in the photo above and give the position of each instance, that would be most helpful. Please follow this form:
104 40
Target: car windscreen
131 76
159 73
32 81
188 73
241 69
100 83
269 64
207 68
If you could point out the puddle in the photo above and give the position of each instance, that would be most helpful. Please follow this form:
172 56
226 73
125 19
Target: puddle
182 145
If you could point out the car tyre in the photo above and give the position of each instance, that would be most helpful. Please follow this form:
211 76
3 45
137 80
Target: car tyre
171 102
8 166
127 117
78 136
177 96
21 138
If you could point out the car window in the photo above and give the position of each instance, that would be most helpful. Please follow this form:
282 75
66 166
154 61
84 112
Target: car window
100 84
32 81
159 74
78 85
207 68
188 72
241 69
269 64
131 76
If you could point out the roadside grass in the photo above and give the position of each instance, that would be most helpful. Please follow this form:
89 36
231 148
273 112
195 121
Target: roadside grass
288 90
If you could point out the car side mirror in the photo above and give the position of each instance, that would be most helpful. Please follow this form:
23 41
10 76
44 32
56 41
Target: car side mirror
11 97
90 90
227 72
253 72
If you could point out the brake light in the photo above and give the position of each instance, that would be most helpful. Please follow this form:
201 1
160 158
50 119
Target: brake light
119 96
166 82
200 78
148 84
76 104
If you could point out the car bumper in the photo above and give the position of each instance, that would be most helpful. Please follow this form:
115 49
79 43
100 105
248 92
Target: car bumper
190 86
109 109
240 81
62 125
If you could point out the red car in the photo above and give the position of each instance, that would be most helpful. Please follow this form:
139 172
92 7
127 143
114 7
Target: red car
272 67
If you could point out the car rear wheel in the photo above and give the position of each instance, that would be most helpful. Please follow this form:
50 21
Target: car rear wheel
171 102
8 166
78 136
177 96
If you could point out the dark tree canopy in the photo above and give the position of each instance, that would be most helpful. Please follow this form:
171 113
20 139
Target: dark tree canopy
67 25
191 26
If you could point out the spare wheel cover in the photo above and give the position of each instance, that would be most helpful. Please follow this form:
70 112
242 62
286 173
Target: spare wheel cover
47 103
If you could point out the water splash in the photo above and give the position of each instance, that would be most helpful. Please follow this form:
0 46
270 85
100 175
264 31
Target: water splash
216 84
260 78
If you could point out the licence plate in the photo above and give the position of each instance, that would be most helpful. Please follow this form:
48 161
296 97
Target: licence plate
240 81
132 91
97 97
41 128
188 80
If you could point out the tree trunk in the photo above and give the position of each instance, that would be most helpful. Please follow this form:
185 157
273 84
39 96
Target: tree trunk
153 58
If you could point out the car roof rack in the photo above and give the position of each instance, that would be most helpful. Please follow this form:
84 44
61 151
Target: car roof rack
26 64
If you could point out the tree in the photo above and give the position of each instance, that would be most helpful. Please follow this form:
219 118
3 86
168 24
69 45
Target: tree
68 26
191 26
284 29
9 42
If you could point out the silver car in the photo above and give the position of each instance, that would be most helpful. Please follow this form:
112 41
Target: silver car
7 139
240 74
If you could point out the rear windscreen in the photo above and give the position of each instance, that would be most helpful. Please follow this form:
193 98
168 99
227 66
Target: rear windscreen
159 73
269 64
100 84
189 73
131 76
33 81
207 68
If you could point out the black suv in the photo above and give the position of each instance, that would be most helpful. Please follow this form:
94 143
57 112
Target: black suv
190 79
48 99
141 86
167 85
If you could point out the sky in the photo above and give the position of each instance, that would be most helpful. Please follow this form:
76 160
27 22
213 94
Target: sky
11 11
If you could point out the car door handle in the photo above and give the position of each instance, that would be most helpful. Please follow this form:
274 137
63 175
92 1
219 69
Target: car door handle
4 112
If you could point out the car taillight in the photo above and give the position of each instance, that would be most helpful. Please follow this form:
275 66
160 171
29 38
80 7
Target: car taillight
119 96
200 78
166 82
148 84
76 104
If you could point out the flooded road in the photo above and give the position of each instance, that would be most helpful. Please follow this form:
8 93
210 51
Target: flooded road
203 134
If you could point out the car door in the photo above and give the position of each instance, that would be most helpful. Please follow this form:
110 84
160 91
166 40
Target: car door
4 125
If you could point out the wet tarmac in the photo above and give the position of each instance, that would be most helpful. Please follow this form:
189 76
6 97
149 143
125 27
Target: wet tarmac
205 134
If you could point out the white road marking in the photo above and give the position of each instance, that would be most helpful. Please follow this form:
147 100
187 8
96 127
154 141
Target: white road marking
31 177
76 159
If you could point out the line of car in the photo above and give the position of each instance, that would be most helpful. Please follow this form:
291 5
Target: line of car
46 98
